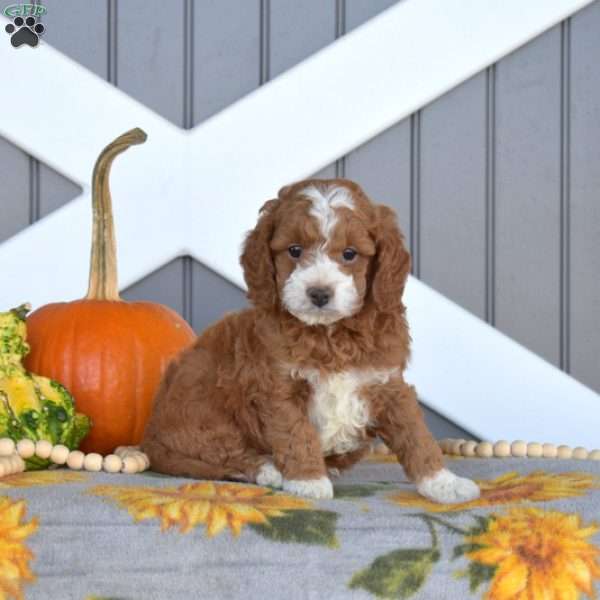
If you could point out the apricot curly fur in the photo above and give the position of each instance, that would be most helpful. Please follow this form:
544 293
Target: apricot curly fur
229 403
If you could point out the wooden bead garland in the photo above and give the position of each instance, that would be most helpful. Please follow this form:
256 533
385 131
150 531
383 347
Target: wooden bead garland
126 459
130 459
518 448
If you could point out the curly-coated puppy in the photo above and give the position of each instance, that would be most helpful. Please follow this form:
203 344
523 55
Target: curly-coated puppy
279 393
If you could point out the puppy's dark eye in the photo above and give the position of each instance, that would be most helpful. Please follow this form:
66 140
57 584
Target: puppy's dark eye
349 254
295 251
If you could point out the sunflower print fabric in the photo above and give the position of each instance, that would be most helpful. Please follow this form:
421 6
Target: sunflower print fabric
534 534
15 556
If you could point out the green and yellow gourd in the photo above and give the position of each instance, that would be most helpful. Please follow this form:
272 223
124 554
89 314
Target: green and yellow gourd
32 406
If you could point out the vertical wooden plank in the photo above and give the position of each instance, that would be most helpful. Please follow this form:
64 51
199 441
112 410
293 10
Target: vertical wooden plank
359 11
213 297
14 191
226 53
584 191
528 136
452 194
230 59
328 172
79 29
381 166
54 190
163 286
150 50
297 30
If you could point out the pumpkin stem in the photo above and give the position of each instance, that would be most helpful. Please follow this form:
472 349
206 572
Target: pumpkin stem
21 310
103 283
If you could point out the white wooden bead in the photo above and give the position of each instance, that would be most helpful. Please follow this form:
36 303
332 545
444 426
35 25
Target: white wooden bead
484 450
564 452
549 451
129 465
518 448
112 463
146 459
594 454
140 458
25 448
447 444
534 450
456 446
43 448
580 453
92 462
9 465
59 454
18 463
443 444
7 446
13 461
75 460
502 449
124 451
468 448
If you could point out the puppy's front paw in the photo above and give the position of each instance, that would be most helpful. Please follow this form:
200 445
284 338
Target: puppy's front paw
447 488
309 488
269 475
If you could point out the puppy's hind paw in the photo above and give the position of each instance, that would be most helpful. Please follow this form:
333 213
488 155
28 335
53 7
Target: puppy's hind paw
447 488
309 488
269 475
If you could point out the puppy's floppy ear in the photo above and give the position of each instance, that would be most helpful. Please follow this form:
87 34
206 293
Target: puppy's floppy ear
392 261
256 260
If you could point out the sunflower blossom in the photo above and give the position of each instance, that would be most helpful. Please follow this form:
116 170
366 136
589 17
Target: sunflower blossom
510 488
216 505
537 554
14 555
35 478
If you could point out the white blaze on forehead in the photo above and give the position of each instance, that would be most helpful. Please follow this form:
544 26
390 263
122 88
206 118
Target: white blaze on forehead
324 203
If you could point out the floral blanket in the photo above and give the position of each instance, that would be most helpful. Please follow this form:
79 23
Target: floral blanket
534 534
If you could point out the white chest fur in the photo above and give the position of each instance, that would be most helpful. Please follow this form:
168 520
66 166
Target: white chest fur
337 409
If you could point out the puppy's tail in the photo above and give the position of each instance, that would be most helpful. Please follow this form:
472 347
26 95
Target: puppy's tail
170 462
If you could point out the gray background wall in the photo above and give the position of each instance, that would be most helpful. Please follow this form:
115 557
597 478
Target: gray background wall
496 184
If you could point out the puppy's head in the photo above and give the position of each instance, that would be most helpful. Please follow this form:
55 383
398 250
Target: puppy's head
323 251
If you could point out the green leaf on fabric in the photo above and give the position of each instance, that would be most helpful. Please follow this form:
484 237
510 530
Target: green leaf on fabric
351 490
464 549
483 524
301 527
399 574
477 573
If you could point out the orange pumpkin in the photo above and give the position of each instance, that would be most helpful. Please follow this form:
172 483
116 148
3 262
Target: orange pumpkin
110 354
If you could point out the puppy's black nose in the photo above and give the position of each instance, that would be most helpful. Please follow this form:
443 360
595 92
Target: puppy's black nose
319 296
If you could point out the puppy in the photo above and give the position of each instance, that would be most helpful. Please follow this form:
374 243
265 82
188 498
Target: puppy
280 393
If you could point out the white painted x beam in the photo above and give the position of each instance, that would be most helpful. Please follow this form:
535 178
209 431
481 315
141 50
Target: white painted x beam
196 192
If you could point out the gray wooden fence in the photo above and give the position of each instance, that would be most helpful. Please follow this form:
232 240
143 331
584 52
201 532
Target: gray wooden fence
496 184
